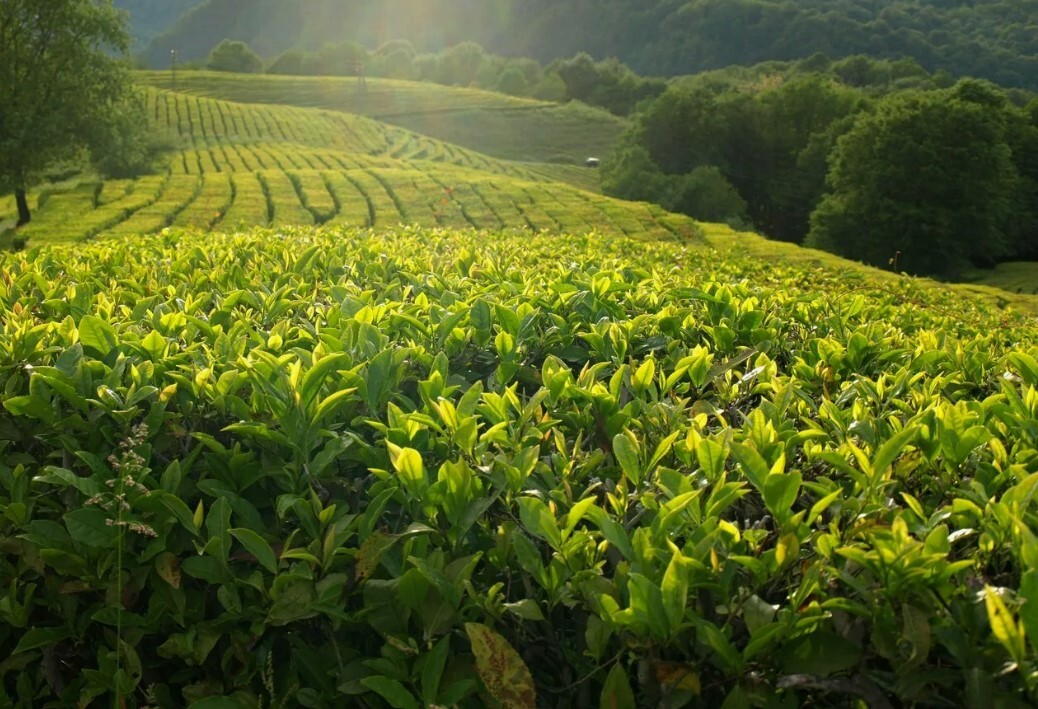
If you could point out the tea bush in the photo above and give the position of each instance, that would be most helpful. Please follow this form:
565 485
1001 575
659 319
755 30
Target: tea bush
428 468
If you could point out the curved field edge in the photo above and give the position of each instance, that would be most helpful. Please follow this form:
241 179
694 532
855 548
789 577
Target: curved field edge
338 458
495 124
730 243
215 189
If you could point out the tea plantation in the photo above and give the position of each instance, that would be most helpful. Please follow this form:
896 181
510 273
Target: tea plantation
491 123
329 413
447 468
240 165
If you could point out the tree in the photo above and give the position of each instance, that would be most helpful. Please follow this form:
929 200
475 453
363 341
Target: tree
461 63
705 194
512 82
398 64
290 62
927 176
550 88
61 82
342 59
120 148
231 55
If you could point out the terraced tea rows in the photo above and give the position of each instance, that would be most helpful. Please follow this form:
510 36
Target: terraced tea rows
492 123
230 136
246 165
205 122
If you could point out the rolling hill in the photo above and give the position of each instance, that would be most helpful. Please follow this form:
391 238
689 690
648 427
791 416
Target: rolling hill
488 122
288 151
255 164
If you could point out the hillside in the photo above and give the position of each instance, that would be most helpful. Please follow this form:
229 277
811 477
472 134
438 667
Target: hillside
244 164
990 39
151 17
491 123
327 412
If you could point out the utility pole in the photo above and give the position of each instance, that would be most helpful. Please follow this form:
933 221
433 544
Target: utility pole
358 69
173 66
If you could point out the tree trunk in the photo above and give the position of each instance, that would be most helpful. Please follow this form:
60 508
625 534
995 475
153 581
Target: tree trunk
24 217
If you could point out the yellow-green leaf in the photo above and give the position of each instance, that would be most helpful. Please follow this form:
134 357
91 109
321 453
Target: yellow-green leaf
502 670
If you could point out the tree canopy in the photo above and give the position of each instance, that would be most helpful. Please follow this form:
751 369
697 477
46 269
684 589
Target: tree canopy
926 179
994 39
896 164
61 83
235 56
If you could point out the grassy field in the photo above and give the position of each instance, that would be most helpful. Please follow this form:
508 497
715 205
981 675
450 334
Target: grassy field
1016 277
491 123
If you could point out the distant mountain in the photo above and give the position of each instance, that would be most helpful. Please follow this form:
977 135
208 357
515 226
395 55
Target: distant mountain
995 39
151 17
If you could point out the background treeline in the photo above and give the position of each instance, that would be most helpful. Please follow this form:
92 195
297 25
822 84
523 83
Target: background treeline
151 17
608 84
993 39
878 161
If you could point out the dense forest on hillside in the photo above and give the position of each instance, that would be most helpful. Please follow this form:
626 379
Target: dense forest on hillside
874 160
995 39
151 17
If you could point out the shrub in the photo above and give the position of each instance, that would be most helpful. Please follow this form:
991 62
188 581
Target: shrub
234 56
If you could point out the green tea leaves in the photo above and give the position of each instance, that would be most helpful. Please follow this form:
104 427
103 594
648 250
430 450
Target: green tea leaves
98 337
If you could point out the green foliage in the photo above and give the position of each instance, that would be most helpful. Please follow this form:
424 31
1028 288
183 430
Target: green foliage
465 64
122 147
234 56
550 88
765 143
341 59
293 62
608 84
707 193
467 469
704 191
460 64
927 177
60 85
991 39
512 82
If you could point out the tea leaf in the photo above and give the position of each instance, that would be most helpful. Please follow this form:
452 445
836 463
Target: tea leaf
616 692
98 337
258 547
395 694
502 670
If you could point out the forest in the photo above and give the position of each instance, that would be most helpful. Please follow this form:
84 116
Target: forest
875 161
995 40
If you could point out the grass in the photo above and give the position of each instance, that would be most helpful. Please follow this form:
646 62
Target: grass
1015 277
495 124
